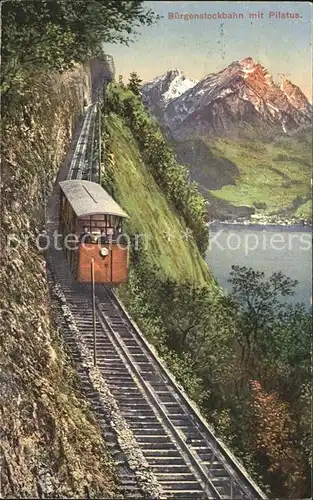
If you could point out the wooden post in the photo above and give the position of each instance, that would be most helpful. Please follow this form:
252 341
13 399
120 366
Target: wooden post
93 299
111 259
91 172
99 111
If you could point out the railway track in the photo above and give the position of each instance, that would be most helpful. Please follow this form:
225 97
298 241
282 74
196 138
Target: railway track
181 450
128 484
81 164
175 426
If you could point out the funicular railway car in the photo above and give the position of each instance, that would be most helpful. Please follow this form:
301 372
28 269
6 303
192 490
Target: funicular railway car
91 224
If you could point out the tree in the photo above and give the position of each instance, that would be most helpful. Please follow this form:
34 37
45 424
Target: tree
120 81
134 83
259 309
184 369
274 337
56 34
191 313
272 435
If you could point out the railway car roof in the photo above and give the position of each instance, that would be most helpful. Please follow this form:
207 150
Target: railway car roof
89 198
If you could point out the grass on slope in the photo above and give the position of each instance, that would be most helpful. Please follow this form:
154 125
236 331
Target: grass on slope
150 213
305 210
275 172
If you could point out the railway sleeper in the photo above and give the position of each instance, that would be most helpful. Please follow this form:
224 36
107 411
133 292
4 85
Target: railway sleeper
195 494
161 452
147 424
167 461
154 431
162 469
148 444
140 404
183 485
140 410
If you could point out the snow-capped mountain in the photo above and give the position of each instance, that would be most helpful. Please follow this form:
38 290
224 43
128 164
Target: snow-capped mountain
163 89
240 96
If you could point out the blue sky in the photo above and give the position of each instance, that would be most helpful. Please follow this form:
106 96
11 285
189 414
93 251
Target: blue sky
199 47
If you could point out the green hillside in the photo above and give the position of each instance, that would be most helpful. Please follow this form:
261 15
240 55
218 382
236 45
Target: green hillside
164 232
208 341
268 173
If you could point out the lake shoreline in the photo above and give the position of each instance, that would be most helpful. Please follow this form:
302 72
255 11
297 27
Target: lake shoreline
217 226
268 248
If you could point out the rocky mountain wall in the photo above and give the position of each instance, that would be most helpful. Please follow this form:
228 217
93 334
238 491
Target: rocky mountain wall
50 444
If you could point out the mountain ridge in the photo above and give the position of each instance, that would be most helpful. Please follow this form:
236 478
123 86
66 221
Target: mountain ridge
245 138
241 95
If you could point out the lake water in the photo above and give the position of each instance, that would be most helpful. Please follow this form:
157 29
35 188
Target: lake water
270 249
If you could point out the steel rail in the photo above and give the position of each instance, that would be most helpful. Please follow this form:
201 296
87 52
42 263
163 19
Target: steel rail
151 396
241 474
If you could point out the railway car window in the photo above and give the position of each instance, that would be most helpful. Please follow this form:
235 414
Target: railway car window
99 225
102 237
95 235
85 236
98 217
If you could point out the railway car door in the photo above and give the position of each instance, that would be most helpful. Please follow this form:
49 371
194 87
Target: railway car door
102 256
105 265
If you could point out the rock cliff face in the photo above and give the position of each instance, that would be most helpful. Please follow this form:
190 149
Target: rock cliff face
101 69
50 444
163 89
167 87
296 97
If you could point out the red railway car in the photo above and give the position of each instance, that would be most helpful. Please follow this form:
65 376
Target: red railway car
91 224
